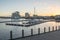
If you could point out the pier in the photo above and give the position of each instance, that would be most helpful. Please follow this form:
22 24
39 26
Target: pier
30 23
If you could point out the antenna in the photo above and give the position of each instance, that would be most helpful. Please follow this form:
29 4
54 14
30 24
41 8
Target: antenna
34 10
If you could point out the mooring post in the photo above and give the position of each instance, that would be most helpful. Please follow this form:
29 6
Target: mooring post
31 32
44 30
49 29
10 35
38 31
59 27
56 28
53 28
22 33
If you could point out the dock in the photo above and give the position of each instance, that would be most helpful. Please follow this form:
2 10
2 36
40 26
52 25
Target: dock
25 25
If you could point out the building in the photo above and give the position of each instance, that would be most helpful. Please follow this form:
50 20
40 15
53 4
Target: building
35 15
57 17
27 15
15 15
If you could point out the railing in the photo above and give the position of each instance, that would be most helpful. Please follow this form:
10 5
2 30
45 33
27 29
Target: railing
49 30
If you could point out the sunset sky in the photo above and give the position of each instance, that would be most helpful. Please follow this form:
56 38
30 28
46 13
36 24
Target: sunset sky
42 7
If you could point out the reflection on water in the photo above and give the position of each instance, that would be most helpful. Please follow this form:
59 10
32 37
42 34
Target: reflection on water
5 29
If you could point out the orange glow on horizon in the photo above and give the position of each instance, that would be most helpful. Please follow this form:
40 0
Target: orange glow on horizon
31 14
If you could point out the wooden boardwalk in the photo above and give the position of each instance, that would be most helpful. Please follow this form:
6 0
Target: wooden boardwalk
55 35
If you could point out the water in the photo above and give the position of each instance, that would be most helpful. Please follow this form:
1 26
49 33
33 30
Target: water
5 29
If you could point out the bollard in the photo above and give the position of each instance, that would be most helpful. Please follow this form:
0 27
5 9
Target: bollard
22 33
10 35
53 28
31 32
44 30
49 29
59 27
56 28
38 31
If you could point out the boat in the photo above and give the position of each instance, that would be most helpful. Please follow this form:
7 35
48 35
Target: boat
57 18
18 24
25 23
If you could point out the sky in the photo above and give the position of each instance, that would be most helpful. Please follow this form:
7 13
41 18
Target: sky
42 7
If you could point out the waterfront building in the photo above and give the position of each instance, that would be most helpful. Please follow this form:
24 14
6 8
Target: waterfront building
27 15
35 16
57 17
15 15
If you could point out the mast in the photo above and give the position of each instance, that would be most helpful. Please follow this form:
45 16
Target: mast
34 10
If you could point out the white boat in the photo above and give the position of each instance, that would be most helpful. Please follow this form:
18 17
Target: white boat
25 23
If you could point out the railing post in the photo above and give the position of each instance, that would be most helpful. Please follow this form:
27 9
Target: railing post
10 35
22 33
44 30
56 28
59 27
53 28
38 31
49 29
31 32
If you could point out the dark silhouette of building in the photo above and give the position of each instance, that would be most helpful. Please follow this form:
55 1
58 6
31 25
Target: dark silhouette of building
15 15
27 15
57 17
35 15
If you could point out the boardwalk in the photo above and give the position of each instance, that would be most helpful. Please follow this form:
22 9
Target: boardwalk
47 36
